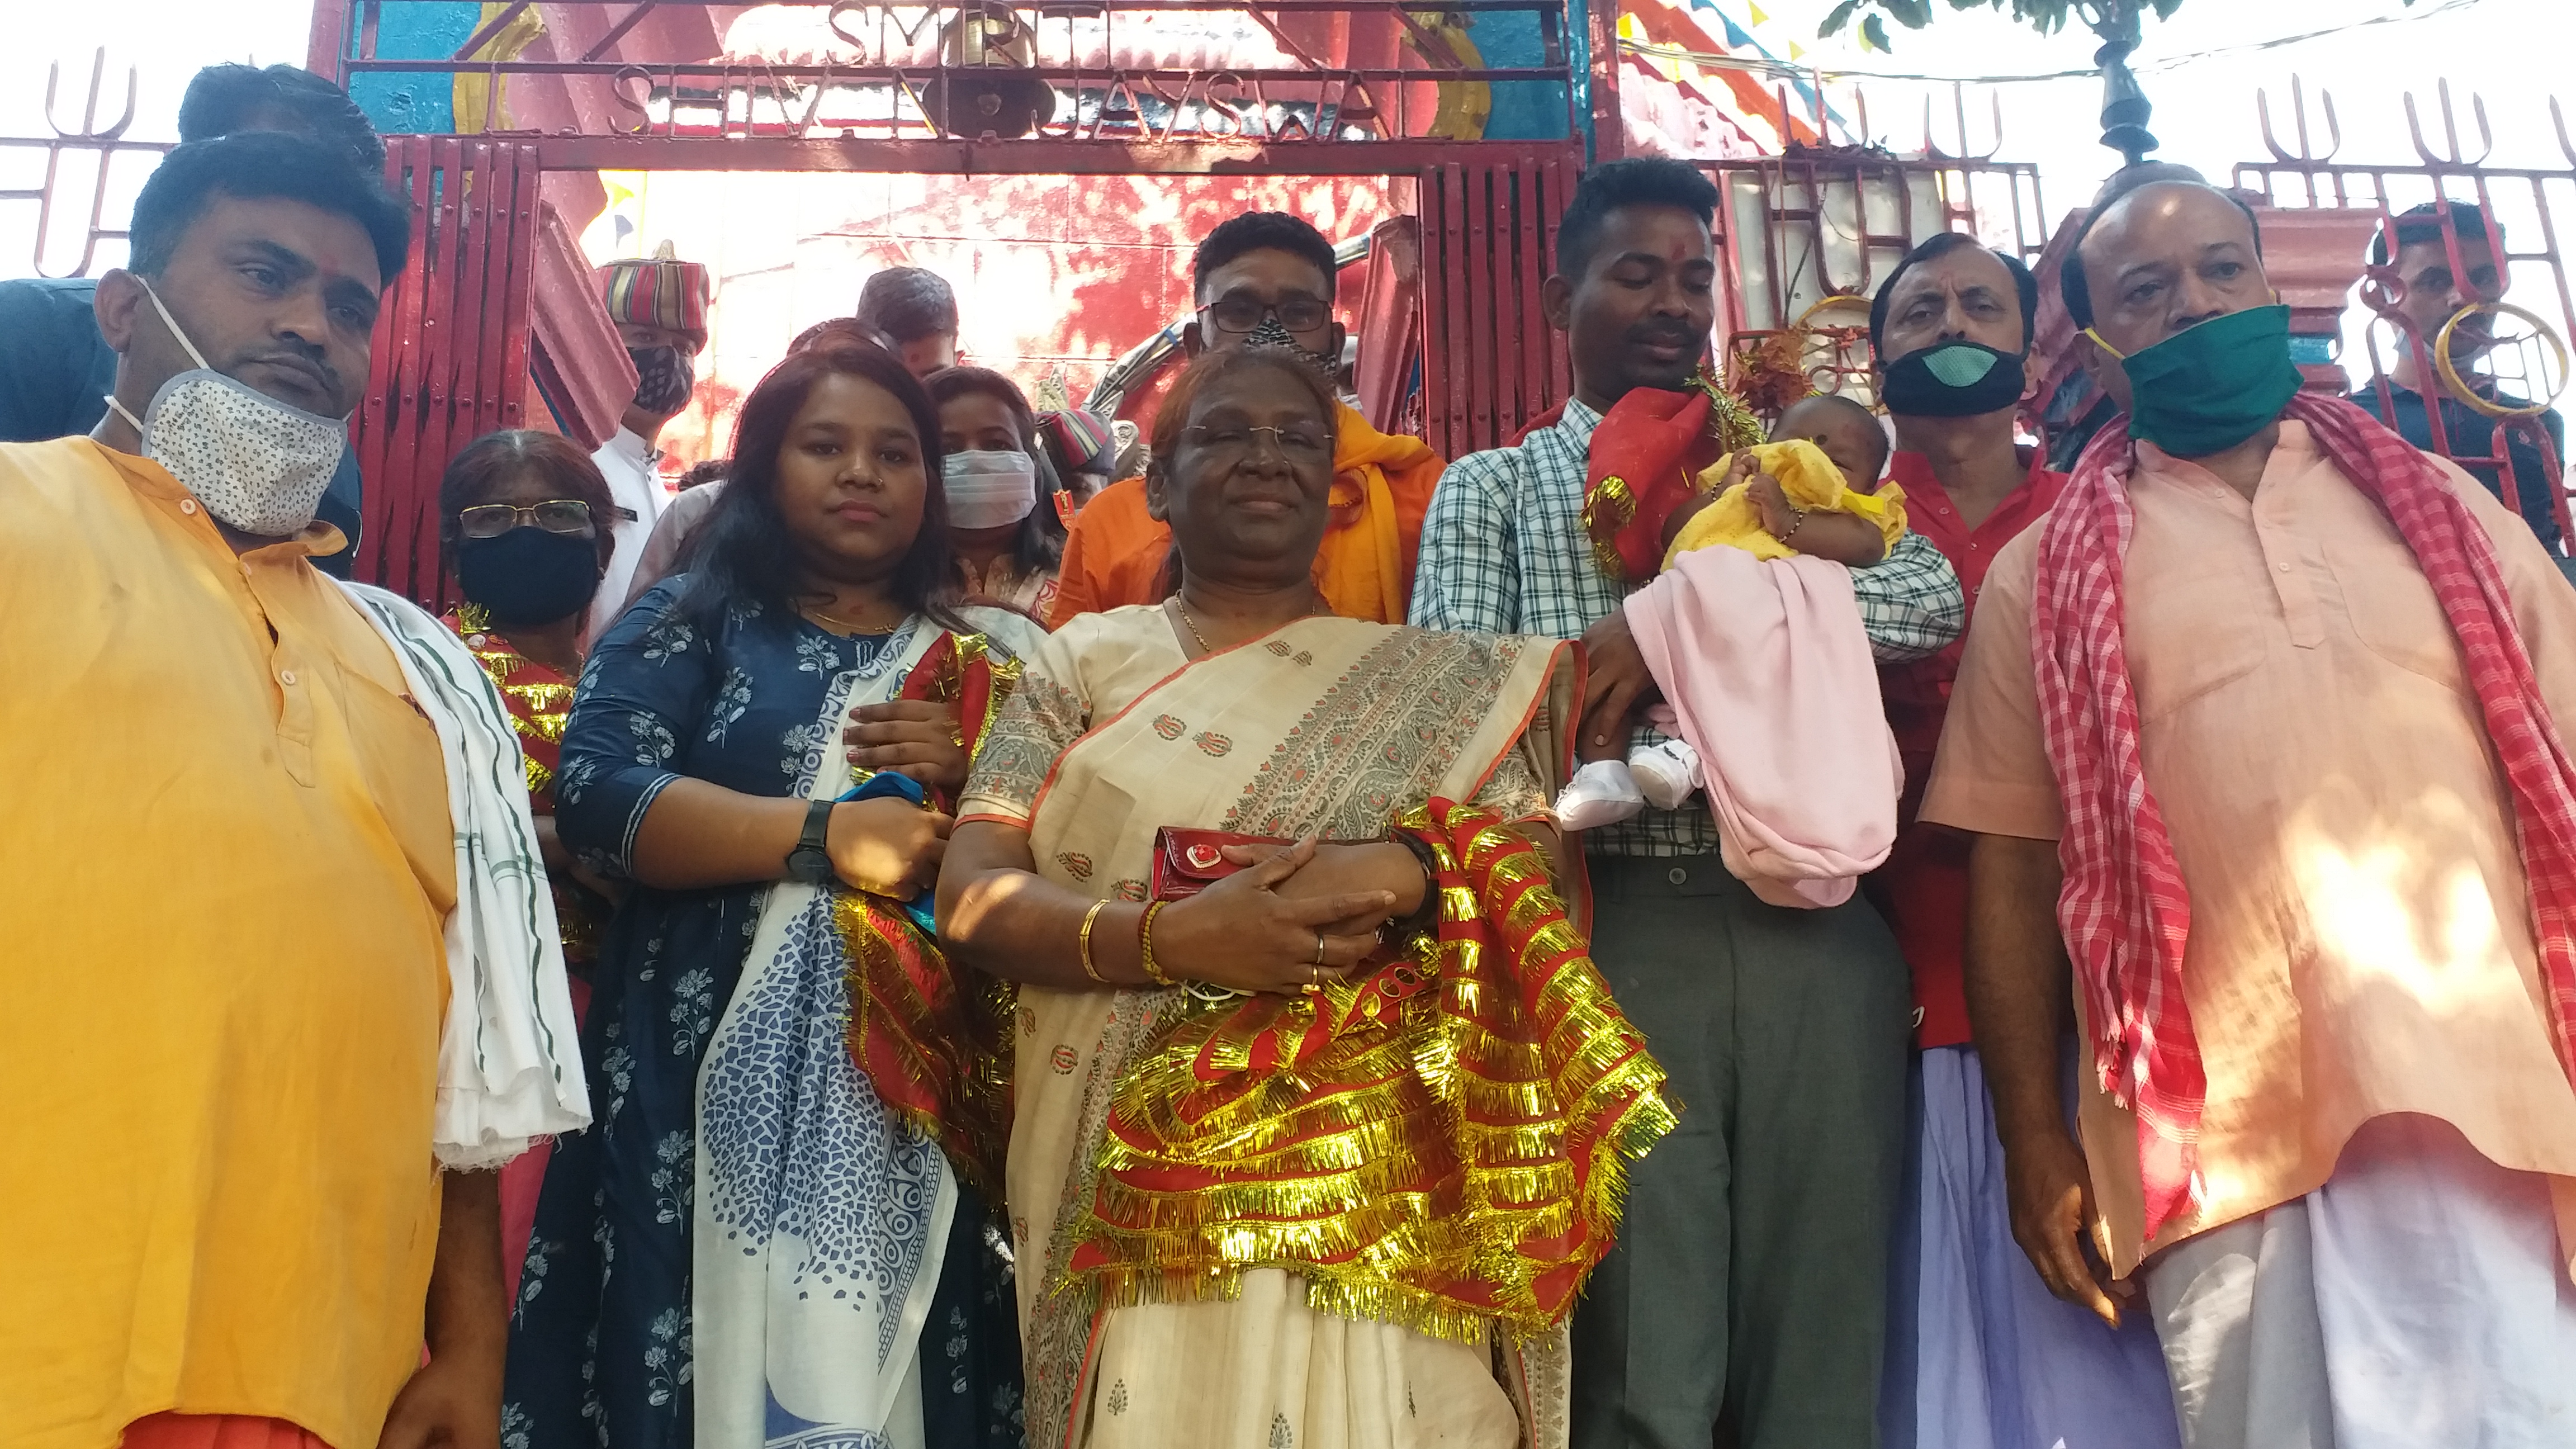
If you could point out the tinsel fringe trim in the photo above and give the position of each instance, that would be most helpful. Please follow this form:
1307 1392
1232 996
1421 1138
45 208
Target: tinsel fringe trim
1403 1165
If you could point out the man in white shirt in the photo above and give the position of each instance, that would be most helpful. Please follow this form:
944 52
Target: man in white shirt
660 307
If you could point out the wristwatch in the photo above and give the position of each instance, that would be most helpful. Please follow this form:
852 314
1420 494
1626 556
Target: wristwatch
809 863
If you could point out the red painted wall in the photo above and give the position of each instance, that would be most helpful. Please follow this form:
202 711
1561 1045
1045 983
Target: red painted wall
1051 271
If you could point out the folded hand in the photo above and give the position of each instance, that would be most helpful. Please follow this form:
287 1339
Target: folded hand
1247 933
916 737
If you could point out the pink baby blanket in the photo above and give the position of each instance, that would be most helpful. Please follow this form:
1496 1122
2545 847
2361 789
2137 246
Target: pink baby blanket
1770 679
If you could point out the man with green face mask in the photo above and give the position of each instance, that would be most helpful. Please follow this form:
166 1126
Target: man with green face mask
2258 729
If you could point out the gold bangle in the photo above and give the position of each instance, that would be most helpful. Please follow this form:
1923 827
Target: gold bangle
1088 917
1145 945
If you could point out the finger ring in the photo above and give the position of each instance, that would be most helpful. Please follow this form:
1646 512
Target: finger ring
1319 949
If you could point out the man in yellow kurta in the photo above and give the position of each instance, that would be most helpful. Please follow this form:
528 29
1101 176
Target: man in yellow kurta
224 866
1265 279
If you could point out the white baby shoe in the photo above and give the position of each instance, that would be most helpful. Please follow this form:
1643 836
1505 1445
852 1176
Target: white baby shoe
1601 793
1665 774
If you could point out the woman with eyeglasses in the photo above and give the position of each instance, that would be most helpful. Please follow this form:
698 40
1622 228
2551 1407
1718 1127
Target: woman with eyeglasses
776 1227
1319 1099
523 517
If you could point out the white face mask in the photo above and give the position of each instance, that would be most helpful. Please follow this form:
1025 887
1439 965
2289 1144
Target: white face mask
256 463
988 490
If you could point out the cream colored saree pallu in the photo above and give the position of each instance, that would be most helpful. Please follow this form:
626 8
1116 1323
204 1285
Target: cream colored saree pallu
1354 1217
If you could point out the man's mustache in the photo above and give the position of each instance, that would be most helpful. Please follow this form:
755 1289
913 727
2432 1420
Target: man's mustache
1664 334
324 375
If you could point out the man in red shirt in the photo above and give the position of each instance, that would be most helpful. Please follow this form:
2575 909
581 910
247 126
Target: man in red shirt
1979 1352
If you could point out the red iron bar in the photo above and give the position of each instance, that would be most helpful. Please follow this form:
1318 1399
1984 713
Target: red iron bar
2535 203
452 363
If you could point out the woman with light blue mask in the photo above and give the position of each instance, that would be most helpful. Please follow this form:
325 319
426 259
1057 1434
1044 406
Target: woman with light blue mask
1006 509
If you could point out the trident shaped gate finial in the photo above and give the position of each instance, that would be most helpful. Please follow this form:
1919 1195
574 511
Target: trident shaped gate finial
2451 131
1959 110
2299 113
89 113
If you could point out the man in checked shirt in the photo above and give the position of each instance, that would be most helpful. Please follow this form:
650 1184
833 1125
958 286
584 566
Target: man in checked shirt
1748 1286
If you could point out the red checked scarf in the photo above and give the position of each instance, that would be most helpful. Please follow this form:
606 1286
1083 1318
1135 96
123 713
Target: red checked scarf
2124 911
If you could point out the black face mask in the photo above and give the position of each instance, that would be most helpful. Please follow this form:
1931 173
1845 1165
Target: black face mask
528 576
1957 379
1275 335
664 378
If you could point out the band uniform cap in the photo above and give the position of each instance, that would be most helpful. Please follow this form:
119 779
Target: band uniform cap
658 291
1087 443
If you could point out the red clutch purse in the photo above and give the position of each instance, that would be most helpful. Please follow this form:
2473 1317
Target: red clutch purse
1187 862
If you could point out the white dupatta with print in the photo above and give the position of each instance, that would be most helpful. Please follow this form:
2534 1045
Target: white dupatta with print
821 1218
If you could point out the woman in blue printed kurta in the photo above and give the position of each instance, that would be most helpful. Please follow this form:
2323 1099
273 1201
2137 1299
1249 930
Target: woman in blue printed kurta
704 683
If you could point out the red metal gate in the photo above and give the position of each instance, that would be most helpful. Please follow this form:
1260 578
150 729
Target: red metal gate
1490 362
2530 206
452 360
1150 87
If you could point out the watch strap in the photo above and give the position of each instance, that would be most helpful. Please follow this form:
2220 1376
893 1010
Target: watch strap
818 825
810 862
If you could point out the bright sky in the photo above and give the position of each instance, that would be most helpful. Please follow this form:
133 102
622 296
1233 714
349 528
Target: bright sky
165 42
2510 51
2513 52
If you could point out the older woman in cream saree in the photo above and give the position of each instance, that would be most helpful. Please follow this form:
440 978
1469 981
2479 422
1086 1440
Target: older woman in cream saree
1317 1154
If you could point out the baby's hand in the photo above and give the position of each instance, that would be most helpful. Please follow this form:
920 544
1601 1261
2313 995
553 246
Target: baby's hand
1842 538
1779 515
1818 533
1738 469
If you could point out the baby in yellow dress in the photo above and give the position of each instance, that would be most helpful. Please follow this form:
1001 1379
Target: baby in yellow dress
1799 493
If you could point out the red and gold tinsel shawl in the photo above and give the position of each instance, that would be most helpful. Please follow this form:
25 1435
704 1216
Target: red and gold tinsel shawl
1440 1145
933 1037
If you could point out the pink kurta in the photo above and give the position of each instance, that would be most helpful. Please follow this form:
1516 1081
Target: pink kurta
2360 937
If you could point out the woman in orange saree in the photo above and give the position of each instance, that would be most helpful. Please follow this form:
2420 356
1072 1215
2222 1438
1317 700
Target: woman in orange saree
1317 1153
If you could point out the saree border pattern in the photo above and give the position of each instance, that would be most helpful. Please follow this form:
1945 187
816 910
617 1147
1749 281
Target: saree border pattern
1402 712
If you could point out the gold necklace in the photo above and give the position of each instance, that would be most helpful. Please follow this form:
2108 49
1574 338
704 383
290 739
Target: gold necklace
1193 625
838 622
